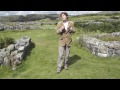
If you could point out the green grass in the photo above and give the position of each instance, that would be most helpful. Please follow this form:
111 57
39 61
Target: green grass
50 27
41 63
83 17
5 41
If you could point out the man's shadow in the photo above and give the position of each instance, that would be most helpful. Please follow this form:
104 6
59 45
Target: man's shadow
73 59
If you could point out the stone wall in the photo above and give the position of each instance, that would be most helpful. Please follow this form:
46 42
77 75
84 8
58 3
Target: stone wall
33 25
14 53
114 34
102 48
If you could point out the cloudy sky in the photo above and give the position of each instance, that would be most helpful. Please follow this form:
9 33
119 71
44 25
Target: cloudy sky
6 13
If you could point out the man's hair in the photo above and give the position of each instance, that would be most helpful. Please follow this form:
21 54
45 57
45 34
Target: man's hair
65 13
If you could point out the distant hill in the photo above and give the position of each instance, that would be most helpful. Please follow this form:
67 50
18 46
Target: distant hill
108 12
29 17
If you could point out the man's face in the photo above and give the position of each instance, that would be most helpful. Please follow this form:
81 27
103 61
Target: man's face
64 17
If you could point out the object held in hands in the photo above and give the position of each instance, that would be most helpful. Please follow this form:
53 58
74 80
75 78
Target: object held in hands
68 30
62 28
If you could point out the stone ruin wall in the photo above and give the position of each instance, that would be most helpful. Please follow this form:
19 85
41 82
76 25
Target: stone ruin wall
102 48
15 53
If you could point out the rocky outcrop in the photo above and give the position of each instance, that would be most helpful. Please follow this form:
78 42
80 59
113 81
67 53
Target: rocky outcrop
102 48
15 53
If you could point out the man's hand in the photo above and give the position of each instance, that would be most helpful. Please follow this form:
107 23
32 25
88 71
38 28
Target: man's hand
62 28
70 28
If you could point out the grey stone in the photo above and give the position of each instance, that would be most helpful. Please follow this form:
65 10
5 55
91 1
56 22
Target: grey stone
7 61
1 60
25 38
22 42
21 48
14 53
8 52
2 54
111 45
25 41
95 50
11 47
3 50
117 45
103 49
19 56
118 52
1 26
92 22
102 55
17 46
17 62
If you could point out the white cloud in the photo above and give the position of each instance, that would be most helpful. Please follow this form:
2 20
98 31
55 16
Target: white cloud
6 13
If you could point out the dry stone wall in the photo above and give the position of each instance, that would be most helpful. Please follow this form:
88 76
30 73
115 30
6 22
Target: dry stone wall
102 48
15 53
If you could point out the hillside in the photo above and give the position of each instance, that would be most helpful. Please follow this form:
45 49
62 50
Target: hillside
34 17
108 12
29 17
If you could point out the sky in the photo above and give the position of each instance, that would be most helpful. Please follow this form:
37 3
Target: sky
7 13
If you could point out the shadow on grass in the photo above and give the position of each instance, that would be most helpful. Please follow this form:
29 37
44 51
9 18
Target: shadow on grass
73 59
28 52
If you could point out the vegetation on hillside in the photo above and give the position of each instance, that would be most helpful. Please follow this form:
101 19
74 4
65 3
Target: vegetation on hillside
29 17
98 22
5 41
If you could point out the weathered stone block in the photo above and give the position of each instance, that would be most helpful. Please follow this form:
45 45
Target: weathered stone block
21 49
14 53
7 61
11 47
20 56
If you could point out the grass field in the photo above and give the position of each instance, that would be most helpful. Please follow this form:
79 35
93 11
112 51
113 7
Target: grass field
41 63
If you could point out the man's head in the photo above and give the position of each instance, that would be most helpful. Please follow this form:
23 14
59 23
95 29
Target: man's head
64 16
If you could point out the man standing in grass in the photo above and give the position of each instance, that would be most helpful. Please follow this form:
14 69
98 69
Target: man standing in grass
64 28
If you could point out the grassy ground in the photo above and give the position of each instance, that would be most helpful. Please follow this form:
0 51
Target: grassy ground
41 61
